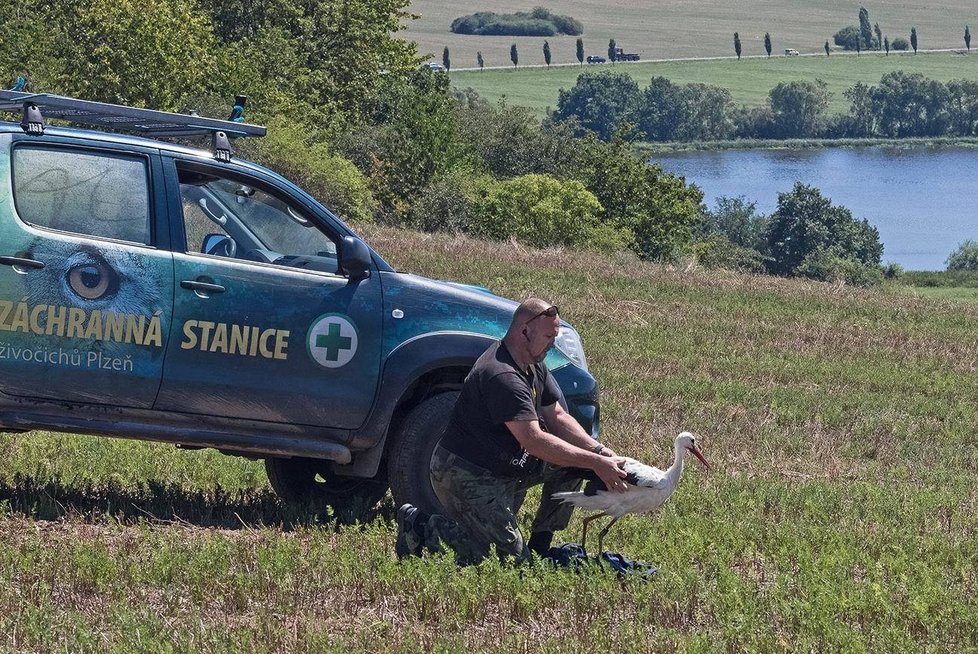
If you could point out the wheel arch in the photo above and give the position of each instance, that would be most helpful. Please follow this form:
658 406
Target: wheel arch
411 374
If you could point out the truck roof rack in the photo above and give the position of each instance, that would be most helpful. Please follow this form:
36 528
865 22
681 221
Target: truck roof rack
148 122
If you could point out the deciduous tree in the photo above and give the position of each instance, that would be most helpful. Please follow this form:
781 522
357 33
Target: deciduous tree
806 225
886 45
611 50
546 53
446 60
601 102
913 39
798 107
827 49
879 36
580 51
737 46
479 60
767 43
967 38
514 55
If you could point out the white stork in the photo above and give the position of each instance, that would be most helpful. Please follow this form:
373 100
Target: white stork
648 489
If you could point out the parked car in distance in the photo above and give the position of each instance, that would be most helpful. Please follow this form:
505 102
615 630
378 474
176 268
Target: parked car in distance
790 52
596 59
435 67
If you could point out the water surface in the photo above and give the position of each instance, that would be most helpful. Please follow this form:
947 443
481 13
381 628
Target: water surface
922 199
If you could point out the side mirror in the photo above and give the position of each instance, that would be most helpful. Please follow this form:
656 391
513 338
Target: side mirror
220 245
354 258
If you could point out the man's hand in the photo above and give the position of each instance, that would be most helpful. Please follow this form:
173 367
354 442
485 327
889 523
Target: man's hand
609 470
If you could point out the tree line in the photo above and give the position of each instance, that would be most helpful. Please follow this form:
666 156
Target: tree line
901 105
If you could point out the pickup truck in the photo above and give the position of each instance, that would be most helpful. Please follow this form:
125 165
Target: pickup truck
156 291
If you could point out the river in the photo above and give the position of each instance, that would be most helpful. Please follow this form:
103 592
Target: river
922 199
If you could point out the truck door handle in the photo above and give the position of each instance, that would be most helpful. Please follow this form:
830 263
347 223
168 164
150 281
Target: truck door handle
206 287
21 261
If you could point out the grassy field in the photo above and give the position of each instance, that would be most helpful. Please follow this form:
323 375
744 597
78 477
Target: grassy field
678 29
840 514
749 80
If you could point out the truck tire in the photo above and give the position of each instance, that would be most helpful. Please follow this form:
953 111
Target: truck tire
410 455
312 481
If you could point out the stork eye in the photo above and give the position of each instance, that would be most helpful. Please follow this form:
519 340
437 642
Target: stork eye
92 280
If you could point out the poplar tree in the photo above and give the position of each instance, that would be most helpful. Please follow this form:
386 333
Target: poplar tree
611 50
865 30
967 38
546 53
879 37
580 51
767 43
514 56
886 45
913 39
446 61
480 60
827 49
737 44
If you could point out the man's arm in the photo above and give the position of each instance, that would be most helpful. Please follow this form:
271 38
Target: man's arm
558 451
565 427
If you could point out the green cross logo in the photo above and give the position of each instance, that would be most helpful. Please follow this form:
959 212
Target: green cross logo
332 340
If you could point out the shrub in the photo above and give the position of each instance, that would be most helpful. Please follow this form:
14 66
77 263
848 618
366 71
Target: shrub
717 251
737 220
542 211
899 43
539 22
965 257
449 204
847 38
327 176
824 265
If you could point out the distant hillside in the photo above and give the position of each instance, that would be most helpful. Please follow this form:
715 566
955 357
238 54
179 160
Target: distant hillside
675 28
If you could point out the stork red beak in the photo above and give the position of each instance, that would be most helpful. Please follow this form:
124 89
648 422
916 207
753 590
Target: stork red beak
699 455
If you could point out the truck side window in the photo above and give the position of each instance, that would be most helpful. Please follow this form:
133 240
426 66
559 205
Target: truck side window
96 194
232 218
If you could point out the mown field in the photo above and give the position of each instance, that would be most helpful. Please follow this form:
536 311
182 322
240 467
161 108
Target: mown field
748 80
677 29
840 514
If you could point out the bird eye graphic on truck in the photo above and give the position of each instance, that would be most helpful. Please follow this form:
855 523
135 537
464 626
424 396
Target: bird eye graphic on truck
332 340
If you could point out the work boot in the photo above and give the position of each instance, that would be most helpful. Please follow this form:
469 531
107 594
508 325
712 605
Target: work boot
539 542
409 541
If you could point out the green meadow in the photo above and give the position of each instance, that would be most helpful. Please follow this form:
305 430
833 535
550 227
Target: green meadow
748 80
840 513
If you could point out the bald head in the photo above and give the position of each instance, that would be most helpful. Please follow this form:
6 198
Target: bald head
529 308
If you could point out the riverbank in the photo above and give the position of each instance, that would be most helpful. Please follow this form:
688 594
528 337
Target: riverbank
650 148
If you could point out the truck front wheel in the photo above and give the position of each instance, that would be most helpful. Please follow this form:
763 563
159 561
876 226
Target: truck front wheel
311 480
410 454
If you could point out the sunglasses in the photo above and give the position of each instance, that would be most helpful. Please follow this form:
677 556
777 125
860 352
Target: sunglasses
550 312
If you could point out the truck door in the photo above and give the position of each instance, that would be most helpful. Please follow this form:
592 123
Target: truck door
85 292
265 327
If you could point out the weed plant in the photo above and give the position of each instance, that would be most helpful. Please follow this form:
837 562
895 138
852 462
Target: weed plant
840 513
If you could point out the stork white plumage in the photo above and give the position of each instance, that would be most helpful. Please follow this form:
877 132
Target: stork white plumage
648 489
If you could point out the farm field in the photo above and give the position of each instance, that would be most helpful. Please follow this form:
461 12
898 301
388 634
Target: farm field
749 80
678 29
840 513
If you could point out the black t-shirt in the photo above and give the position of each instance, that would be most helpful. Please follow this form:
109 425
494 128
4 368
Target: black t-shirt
497 391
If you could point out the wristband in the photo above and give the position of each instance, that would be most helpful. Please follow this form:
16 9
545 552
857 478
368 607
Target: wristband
597 449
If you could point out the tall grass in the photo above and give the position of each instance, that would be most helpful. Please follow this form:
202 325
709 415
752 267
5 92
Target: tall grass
840 514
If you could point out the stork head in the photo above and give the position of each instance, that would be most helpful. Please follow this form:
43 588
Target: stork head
686 441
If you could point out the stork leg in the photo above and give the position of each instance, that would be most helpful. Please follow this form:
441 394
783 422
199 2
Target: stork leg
602 533
587 521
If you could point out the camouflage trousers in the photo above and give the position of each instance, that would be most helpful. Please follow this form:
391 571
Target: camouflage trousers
481 508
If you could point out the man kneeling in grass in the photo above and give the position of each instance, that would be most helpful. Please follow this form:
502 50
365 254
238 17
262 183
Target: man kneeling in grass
507 433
